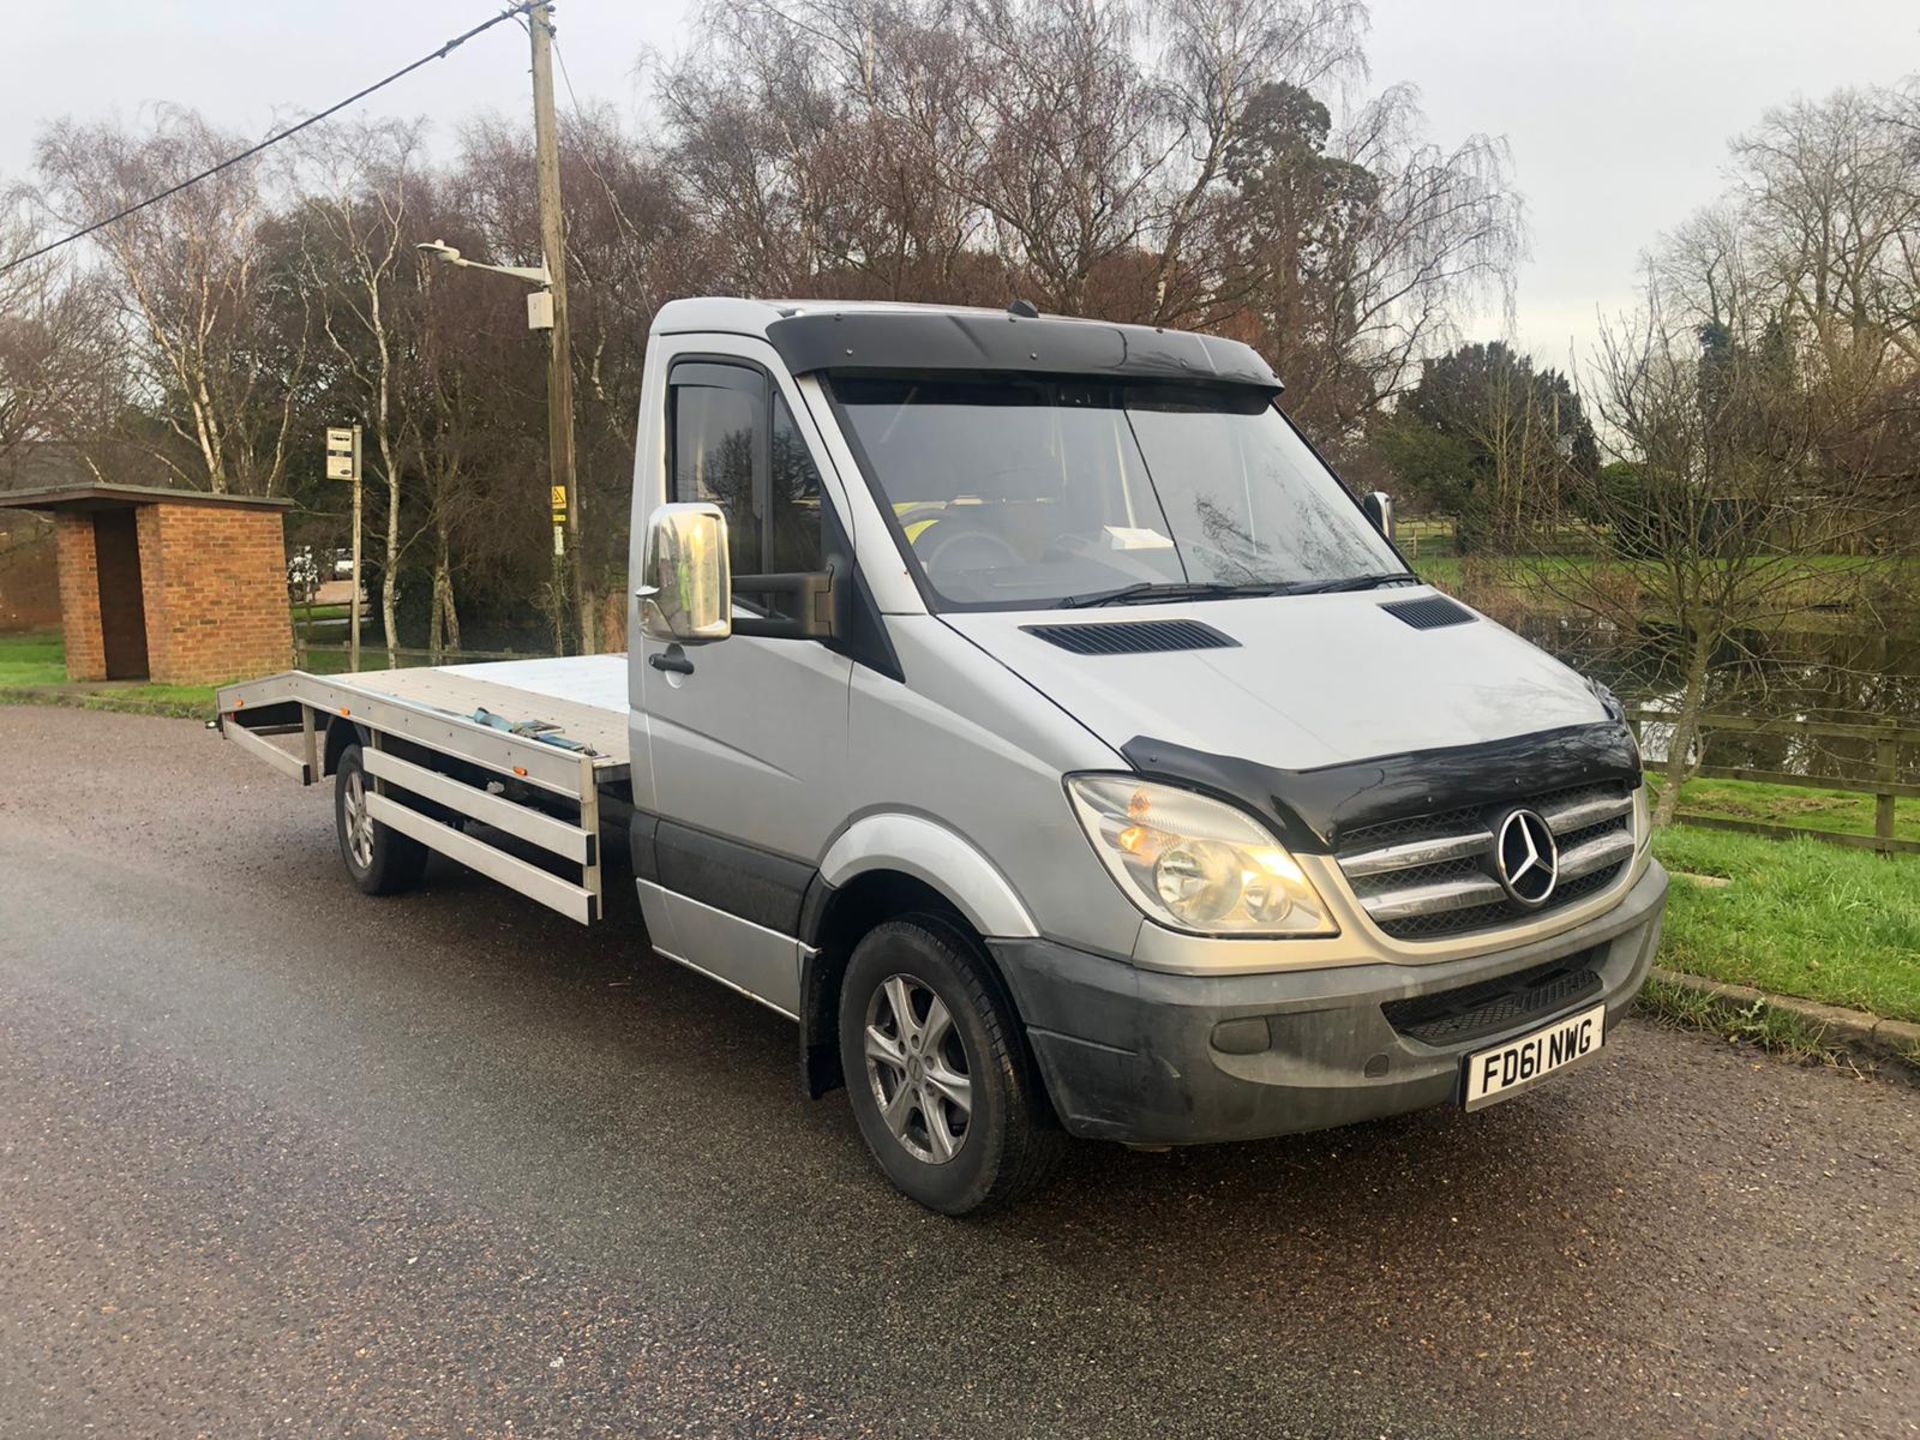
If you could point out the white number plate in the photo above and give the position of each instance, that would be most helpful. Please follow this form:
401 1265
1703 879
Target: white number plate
1495 1074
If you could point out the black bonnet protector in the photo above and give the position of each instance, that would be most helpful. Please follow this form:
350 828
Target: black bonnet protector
896 340
1311 810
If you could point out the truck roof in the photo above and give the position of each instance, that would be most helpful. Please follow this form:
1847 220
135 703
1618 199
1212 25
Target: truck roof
876 335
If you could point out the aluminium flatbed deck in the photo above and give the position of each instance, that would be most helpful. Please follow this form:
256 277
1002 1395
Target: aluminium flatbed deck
523 747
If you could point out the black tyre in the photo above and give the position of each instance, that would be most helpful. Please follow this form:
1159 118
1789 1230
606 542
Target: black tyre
940 1080
381 861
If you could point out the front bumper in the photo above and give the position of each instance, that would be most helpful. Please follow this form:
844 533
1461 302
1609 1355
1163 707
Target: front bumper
1150 1058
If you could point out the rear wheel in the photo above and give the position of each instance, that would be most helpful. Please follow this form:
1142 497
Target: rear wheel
380 859
940 1082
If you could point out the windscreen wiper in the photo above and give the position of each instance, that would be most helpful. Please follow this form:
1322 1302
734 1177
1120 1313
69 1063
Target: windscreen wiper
1352 582
1147 592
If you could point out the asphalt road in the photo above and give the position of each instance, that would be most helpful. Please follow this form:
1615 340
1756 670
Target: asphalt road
279 1159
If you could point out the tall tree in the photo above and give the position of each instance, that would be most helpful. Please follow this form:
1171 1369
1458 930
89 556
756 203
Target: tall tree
60 376
204 314
363 190
1488 439
1748 494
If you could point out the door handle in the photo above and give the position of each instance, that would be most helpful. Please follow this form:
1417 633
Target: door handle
667 660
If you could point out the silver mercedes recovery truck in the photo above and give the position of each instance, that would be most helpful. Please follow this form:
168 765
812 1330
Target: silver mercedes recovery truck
1022 707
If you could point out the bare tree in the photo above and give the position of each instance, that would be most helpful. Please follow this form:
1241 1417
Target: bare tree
361 186
1164 162
1742 496
205 317
1829 198
60 377
1221 60
1361 245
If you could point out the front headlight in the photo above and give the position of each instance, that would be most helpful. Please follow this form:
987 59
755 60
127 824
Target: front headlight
1194 863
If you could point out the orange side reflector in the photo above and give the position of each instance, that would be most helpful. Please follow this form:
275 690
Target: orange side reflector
345 711
239 704
520 770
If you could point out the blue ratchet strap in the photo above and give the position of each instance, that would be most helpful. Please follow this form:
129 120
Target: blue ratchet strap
546 732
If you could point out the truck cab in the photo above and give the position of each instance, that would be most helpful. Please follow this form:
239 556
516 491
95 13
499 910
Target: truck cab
1022 705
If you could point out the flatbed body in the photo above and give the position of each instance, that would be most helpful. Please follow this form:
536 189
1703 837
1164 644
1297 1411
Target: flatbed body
463 755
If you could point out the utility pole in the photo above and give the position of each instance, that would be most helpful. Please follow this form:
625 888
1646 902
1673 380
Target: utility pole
553 239
353 611
343 463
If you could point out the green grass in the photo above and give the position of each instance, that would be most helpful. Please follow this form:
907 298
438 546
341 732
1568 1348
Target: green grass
192 701
1838 811
1834 579
1801 917
33 670
308 621
1762 1024
32 660
1448 572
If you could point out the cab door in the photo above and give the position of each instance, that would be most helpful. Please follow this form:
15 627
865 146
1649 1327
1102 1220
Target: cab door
747 736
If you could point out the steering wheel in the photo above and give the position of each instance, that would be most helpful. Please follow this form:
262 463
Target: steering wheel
959 546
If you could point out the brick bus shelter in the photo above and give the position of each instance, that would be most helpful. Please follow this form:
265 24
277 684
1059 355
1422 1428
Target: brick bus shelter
176 586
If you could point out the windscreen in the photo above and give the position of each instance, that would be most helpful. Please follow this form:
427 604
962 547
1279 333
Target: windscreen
1027 492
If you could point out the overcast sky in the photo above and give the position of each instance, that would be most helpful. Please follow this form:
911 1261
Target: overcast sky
1617 111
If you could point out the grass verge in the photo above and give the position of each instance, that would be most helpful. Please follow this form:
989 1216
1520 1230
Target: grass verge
178 702
33 671
27 660
1759 1024
1799 918
1838 811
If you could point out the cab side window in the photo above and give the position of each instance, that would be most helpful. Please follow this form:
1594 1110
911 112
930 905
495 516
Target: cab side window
719 435
794 501
734 443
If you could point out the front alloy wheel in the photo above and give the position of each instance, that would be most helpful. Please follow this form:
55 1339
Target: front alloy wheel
943 1087
917 1066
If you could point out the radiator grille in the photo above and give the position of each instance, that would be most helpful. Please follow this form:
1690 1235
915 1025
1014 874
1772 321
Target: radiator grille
1428 877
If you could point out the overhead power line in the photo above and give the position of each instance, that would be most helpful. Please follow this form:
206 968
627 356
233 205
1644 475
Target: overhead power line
512 12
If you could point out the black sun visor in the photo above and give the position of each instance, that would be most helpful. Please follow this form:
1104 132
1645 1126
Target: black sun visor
918 340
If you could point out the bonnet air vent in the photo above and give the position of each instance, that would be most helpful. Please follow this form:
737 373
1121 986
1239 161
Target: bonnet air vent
1429 613
1133 637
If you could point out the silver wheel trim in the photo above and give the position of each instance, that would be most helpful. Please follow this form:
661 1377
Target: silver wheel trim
917 1067
359 822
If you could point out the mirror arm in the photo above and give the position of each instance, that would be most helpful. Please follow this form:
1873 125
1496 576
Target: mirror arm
1378 506
813 590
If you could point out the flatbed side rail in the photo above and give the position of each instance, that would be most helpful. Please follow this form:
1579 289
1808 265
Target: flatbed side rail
435 807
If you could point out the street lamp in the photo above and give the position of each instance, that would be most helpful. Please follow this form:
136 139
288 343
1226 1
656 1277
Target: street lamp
540 316
539 304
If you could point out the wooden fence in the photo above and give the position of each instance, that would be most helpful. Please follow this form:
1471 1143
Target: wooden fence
1885 784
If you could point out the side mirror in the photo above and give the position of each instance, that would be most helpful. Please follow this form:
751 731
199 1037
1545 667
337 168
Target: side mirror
686 594
1379 507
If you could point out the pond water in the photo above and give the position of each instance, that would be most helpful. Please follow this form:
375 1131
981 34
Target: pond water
1853 673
